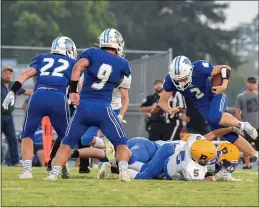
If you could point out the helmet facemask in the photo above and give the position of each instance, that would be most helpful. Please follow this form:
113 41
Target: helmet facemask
180 71
184 84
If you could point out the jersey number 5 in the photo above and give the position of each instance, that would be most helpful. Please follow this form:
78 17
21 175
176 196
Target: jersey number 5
57 71
198 93
103 74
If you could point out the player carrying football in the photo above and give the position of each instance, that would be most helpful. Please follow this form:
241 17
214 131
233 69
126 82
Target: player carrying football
53 71
103 70
192 81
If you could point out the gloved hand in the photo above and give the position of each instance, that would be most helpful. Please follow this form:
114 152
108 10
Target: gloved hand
8 99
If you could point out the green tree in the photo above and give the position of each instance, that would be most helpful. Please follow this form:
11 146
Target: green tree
185 26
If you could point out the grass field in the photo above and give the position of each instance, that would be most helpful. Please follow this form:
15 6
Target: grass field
86 190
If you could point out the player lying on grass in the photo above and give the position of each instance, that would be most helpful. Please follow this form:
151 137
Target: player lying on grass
53 71
104 69
142 151
184 161
192 81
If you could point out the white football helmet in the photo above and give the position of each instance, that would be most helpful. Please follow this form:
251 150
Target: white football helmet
65 46
111 38
180 71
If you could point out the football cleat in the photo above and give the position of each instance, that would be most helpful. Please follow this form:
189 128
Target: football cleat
110 152
65 172
124 177
247 130
105 171
25 175
50 177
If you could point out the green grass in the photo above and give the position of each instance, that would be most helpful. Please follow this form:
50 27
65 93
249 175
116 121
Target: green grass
86 190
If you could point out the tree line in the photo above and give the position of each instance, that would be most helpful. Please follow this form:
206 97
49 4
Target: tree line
190 28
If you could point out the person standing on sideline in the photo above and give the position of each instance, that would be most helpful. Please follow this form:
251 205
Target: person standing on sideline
154 124
7 124
246 109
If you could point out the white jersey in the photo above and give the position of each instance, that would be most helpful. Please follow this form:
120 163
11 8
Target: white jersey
181 166
116 95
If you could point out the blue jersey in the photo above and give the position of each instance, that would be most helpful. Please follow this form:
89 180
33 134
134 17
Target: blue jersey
103 74
53 71
199 91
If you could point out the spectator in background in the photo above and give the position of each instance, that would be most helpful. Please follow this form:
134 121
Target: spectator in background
246 109
7 124
154 124
195 122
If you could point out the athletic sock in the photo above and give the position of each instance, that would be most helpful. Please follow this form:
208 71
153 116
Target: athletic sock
123 165
56 170
55 148
99 143
27 164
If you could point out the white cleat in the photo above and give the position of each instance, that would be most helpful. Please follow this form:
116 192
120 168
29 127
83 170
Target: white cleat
105 171
50 178
110 152
65 172
25 175
124 177
246 128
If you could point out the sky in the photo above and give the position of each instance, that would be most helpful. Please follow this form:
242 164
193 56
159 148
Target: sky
240 11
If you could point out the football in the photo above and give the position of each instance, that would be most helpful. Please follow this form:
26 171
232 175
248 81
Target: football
216 80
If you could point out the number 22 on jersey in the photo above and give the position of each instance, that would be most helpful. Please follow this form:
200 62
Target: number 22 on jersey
103 74
58 71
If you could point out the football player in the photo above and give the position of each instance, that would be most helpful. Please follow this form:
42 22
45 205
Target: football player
192 81
186 160
103 70
53 71
226 162
119 104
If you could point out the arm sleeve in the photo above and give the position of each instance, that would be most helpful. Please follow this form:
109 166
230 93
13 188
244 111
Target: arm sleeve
238 103
168 84
147 102
127 70
87 53
126 82
202 68
34 62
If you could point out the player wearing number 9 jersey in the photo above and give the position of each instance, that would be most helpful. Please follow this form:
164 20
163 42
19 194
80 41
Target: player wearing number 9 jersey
192 80
104 69
53 72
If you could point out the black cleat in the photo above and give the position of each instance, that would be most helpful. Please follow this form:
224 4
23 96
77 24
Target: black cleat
84 170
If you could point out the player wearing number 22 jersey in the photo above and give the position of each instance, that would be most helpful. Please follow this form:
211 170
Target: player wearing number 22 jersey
53 72
104 69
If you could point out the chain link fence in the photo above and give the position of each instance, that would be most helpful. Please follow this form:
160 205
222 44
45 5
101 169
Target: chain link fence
150 66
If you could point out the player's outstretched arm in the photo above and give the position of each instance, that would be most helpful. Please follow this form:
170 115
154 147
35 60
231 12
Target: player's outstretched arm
9 99
163 103
219 132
